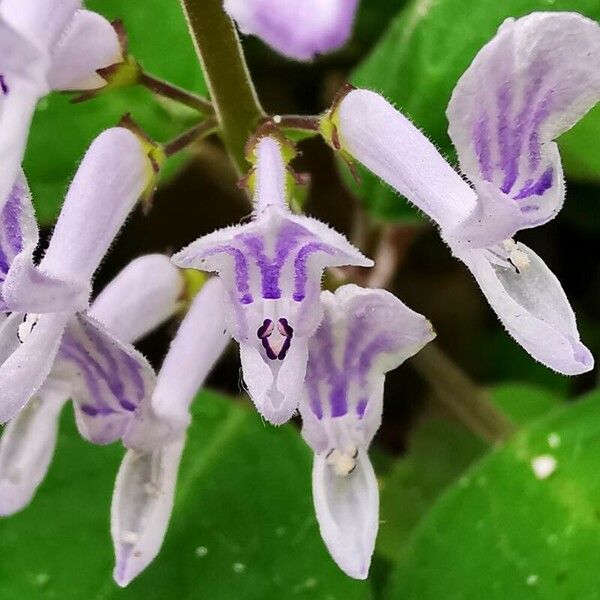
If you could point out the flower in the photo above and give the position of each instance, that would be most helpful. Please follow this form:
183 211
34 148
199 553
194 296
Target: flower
129 311
297 29
50 299
271 269
46 45
533 81
145 485
364 333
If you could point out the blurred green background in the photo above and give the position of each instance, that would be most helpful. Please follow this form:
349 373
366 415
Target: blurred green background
459 520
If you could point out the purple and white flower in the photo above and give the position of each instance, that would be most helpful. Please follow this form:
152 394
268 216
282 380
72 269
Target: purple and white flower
271 269
298 29
533 81
364 334
45 45
144 295
48 301
145 485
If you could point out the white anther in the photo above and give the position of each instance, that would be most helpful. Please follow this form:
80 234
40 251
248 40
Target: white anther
343 462
517 257
26 327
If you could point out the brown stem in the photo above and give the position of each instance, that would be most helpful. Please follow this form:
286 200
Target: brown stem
168 90
458 393
299 122
190 136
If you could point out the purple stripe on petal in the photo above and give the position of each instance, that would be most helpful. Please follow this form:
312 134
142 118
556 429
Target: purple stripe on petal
508 156
67 353
482 148
338 398
537 188
241 271
11 219
92 411
268 269
134 368
361 407
301 267
3 85
541 114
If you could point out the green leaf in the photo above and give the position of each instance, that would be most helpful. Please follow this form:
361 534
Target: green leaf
430 44
504 532
243 524
61 131
439 452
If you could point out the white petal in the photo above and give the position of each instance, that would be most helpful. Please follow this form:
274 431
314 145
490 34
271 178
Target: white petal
347 509
111 178
534 309
40 21
26 369
142 296
371 130
26 449
198 344
141 507
27 289
90 43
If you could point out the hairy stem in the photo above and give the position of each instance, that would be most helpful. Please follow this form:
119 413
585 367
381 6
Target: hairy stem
465 400
231 90
299 122
168 90
190 136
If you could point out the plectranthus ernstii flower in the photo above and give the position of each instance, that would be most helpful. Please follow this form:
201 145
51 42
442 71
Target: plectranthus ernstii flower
144 489
141 297
48 301
45 45
271 269
364 333
533 81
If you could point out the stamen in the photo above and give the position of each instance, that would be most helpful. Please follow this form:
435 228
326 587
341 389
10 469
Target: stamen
343 462
26 327
516 257
276 346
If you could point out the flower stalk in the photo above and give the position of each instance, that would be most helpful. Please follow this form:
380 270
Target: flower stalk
173 92
234 98
187 138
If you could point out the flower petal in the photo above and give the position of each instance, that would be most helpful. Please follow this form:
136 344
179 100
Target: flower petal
111 178
299 30
533 81
40 21
89 43
534 309
26 449
198 344
25 370
17 105
141 297
364 334
371 130
108 379
18 227
347 508
141 507
27 289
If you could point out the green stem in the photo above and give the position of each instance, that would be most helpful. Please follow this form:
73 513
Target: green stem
187 138
168 90
231 90
465 400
